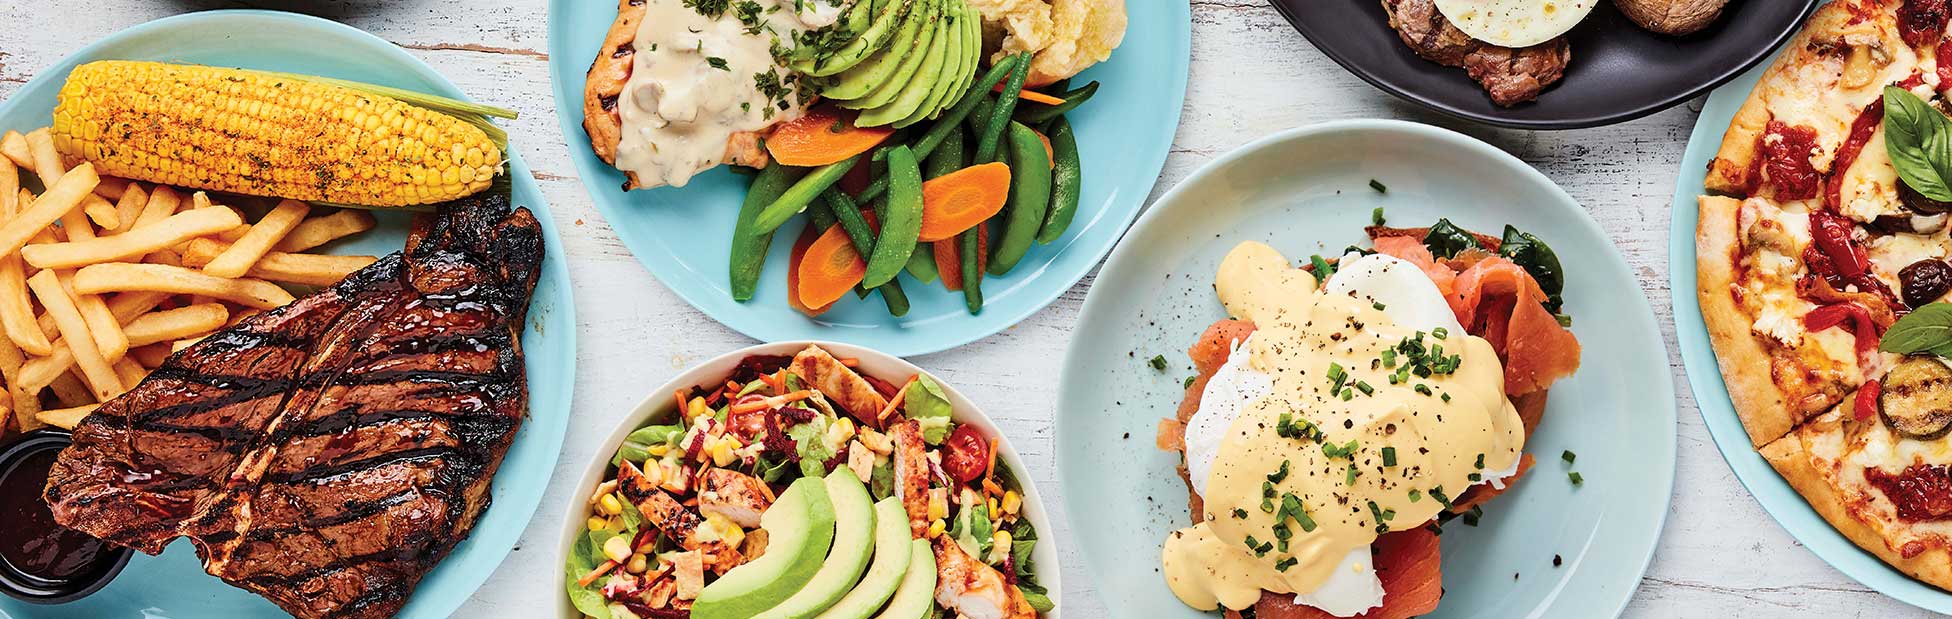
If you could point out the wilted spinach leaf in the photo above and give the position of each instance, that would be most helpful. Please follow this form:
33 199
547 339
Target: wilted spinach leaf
1446 239
1537 258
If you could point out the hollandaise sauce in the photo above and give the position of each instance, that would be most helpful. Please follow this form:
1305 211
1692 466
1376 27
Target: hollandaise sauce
1372 425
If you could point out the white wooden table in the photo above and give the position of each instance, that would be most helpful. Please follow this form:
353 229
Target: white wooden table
1721 555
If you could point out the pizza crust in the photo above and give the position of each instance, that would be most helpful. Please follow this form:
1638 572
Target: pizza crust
1764 408
1794 459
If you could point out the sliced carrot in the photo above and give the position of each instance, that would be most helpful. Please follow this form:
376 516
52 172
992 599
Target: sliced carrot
1049 154
1031 95
807 236
956 201
830 268
826 134
948 260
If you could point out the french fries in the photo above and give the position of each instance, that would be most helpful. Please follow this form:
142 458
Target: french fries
103 278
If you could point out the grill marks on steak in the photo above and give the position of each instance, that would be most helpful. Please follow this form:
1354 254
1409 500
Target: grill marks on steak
1511 76
327 454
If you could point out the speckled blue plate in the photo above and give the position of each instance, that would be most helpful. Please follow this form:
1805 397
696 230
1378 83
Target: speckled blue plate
174 584
683 234
1704 375
1306 191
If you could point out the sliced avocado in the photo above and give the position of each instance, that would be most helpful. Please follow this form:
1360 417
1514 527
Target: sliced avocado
915 89
972 40
887 20
854 520
799 530
916 597
891 88
954 12
892 557
879 69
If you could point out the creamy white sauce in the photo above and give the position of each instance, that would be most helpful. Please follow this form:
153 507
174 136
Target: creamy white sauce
693 83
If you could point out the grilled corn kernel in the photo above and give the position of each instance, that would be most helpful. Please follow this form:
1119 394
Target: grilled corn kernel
598 523
877 442
1001 541
726 529
1012 502
637 564
617 549
261 134
609 505
938 506
935 528
721 450
993 511
697 408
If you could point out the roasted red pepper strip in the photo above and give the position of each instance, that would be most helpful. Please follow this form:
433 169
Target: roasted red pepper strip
1867 399
1860 133
1832 235
1840 313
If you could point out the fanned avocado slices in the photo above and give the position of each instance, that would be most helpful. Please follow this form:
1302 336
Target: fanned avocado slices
890 89
959 59
861 80
887 20
916 89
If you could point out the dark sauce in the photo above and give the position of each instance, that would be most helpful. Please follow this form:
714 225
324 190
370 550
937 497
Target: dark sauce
31 542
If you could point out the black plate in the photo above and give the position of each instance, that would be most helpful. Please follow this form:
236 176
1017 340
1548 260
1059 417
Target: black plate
1618 72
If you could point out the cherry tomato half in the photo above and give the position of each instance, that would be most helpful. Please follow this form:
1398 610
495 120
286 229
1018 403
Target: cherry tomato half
966 454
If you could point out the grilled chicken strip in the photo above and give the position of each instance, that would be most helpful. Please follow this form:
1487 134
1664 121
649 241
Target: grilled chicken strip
841 384
974 589
736 496
912 475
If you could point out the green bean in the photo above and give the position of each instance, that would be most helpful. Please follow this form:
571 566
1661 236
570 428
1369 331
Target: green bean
999 120
820 216
901 218
979 118
749 246
1030 196
949 157
921 264
862 235
1067 181
978 93
972 270
1039 113
801 194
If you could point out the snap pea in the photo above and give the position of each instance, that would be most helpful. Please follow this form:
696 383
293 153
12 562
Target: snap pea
858 231
999 120
749 246
972 270
901 220
801 194
1030 197
921 264
1067 181
1038 113
948 157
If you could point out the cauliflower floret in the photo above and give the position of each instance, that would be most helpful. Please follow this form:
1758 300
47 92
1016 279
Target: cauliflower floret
1064 36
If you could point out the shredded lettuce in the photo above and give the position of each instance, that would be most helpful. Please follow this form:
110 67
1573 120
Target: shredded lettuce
587 599
636 446
928 406
811 439
882 483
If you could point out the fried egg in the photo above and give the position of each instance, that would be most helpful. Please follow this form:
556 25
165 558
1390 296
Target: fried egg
1515 23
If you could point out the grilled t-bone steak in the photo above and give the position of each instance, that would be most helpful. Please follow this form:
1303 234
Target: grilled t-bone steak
327 454
1511 76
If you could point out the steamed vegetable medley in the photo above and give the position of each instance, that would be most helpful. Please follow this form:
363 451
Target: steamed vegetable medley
956 198
800 487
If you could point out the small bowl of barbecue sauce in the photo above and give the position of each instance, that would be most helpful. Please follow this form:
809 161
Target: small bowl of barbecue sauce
40 561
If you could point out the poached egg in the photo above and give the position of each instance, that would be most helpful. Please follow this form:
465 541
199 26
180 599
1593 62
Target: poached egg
1515 23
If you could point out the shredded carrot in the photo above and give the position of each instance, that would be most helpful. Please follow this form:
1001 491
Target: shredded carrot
990 486
733 387
771 402
894 402
596 573
772 380
682 404
990 470
1031 95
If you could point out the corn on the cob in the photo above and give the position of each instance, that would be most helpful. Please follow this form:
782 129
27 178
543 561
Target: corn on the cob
271 135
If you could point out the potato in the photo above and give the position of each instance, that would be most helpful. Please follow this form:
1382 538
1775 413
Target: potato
1674 17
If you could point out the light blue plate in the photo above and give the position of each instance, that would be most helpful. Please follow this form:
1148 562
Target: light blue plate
1704 375
683 234
174 584
1306 191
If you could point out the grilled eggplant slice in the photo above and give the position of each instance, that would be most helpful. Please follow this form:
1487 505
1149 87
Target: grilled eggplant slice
1917 397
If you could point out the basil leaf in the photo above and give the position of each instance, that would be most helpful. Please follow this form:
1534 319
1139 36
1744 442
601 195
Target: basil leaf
1919 141
1925 330
1445 239
1537 258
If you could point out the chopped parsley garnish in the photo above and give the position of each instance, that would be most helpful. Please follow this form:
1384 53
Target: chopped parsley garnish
1277 476
748 13
709 8
717 63
1568 456
1158 362
1389 456
1380 188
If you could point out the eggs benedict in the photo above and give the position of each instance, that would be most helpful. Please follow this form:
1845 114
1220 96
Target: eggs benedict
1347 404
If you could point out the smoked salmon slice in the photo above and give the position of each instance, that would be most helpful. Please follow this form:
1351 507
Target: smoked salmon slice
1411 567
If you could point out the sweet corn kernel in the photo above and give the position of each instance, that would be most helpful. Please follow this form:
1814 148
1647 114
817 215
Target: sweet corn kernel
598 523
658 450
1012 502
935 529
727 530
653 472
722 451
938 507
993 511
1001 540
697 408
609 505
637 564
617 549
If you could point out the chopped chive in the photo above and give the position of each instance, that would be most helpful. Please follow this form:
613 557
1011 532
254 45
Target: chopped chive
1348 395
1480 462
1415 495
1378 305
1284 564
1423 389
1389 356
1158 362
1446 397
1188 383
1440 333
1389 456
1365 388
1239 513
1568 456
1322 268
1351 478
1576 479
1438 493
1277 476
1474 477
1380 188
1376 216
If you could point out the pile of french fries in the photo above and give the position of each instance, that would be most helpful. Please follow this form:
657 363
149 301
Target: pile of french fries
101 279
